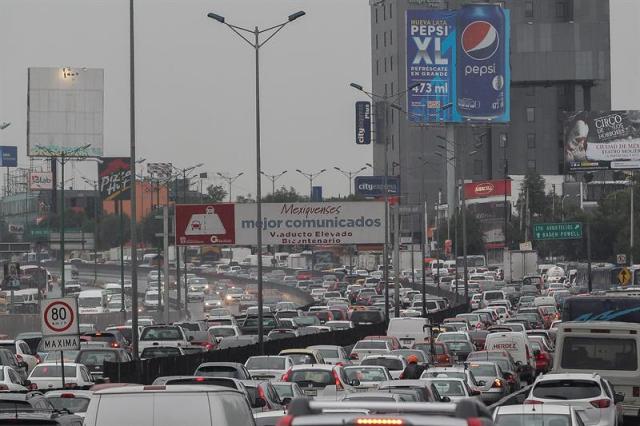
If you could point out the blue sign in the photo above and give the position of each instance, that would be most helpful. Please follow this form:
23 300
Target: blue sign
8 156
316 194
373 186
458 62
363 123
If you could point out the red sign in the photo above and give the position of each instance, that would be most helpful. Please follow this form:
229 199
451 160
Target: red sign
487 188
205 224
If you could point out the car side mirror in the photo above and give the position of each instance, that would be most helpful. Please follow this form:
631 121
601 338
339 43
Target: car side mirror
482 383
259 403
507 376
445 399
354 382
475 392
26 383
190 338
286 401
536 352
618 398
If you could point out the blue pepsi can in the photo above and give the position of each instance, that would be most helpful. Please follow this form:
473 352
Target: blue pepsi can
481 61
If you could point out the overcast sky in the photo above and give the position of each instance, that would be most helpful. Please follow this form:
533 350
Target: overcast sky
195 79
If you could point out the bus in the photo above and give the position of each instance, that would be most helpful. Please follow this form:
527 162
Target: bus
611 306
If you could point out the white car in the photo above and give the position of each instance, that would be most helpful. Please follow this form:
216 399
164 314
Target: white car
270 367
10 380
162 335
223 331
48 375
22 351
454 336
537 414
589 393
394 363
333 354
454 389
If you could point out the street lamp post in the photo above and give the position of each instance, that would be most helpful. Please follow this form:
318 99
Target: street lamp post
256 44
273 179
350 174
311 177
230 180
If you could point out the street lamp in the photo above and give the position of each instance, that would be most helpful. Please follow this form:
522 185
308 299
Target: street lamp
229 180
350 174
256 44
310 177
273 179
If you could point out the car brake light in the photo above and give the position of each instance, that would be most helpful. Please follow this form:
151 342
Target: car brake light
533 402
4 387
154 387
528 353
262 395
497 383
38 359
115 345
601 403
337 379
353 355
67 395
474 421
285 376
374 421
33 386
70 385
19 358
285 421
199 379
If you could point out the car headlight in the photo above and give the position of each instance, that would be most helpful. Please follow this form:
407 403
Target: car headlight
229 297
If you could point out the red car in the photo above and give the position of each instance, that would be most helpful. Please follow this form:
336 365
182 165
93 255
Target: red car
542 353
443 358
304 275
393 341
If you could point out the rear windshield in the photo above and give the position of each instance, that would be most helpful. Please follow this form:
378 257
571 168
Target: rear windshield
161 333
459 346
482 370
218 371
301 359
586 353
314 377
425 347
53 371
567 389
75 405
96 357
371 344
159 352
493 295
470 317
449 387
10 346
365 374
329 353
390 363
366 316
222 332
265 363
538 419
452 374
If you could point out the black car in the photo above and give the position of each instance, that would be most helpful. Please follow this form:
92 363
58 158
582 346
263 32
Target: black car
250 324
94 359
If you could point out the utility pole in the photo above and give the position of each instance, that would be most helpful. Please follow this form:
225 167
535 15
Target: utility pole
230 180
396 262
273 179
165 226
631 220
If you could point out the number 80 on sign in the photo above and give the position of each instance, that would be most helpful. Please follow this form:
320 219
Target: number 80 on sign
59 317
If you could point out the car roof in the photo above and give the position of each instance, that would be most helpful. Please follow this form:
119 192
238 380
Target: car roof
55 364
299 351
76 393
537 409
166 388
390 356
568 376
403 384
327 367
318 347
221 364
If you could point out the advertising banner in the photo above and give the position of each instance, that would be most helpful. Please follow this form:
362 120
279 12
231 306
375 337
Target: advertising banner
114 178
8 156
458 62
602 140
373 186
282 223
65 112
487 188
39 181
363 123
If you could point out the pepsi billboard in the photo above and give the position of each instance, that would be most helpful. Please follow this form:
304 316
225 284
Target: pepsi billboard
8 156
373 186
458 64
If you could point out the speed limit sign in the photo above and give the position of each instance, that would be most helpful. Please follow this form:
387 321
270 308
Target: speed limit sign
59 318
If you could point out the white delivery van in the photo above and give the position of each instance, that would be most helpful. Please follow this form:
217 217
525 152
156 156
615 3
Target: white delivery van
409 330
518 345
93 301
169 405
608 348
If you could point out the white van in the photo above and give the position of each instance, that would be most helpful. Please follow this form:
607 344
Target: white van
169 405
518 345
407 330
608 348
93 301
490 296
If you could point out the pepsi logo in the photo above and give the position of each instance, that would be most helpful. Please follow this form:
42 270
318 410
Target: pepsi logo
480 40
484 189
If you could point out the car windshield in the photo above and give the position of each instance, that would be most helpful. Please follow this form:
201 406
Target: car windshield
316 378
459 346
89 302
566 389
390 363
537 419
218 371
329 353
160 352
265 363
53 371
222 332
371 344
161 333
96 357
483 370
449 387
74 405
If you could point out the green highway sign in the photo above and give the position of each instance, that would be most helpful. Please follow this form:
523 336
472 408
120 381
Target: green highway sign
557 231
40 232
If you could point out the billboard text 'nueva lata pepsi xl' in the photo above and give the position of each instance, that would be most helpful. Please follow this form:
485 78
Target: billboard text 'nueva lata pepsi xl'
483 78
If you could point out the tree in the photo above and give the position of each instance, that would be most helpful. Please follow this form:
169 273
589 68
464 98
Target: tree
242 199
110 232
149 227
537 198
215 194
475 239
284 195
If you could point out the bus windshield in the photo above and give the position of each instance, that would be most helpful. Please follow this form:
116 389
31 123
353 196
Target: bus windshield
602 308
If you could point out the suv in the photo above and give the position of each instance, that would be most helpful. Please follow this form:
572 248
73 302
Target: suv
162 335
94 359
233 370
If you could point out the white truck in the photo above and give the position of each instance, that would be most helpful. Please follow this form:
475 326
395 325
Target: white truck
518 264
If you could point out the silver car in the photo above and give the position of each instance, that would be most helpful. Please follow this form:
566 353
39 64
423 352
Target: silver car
491 383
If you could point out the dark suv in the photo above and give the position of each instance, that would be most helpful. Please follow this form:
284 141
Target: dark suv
94 359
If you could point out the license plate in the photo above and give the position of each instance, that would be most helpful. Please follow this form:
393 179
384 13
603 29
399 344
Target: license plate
311 392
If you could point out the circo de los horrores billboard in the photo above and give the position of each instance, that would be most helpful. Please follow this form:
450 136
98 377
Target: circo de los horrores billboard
602 140
458 61
332 223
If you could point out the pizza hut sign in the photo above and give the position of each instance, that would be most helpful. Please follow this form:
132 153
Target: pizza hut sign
493 188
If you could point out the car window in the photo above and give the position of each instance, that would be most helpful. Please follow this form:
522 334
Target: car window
566 389
482 370
265 363
371 344
313 377
159 352
301 359
161 333
450 387
218 371
391 363
96 357
25 348
53 371
74 405
365 374
599 354
284 391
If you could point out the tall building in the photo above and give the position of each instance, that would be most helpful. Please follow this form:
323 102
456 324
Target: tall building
560 62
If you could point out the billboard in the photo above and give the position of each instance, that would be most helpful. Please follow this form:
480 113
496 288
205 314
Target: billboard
487 188
602 140
8 156
114 178
458 64
363 123
282 223
373 186
65 112
39 181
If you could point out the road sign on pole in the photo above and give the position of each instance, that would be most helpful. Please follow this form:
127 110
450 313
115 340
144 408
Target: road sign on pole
624 276
557 231
621 259
59 319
